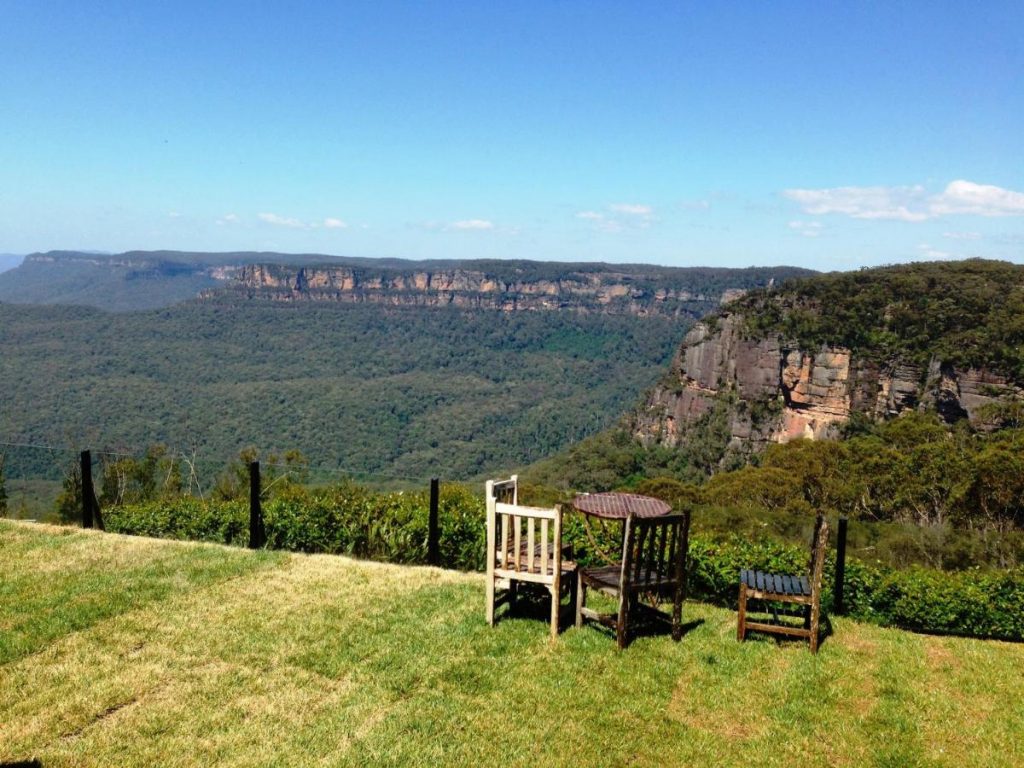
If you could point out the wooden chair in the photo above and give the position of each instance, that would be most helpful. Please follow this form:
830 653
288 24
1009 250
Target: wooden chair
524 545
653 564
801 590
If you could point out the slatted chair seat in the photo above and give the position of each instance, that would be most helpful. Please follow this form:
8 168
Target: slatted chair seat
653 561
802 590
776 583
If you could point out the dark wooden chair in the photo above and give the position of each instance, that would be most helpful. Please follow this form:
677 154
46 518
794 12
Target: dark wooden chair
802 590
653 565
524 546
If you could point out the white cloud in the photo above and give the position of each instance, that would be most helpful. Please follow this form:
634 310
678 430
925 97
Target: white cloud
332 223
471 224
862 202
228 218
962 235
174 214
910 203
281 221
632 209
610 225
807 228
695 205
620 216
978 199
927 252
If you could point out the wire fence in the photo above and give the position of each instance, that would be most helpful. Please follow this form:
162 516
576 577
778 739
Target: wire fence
43 481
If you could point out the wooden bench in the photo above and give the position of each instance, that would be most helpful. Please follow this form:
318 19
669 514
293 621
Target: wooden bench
802 590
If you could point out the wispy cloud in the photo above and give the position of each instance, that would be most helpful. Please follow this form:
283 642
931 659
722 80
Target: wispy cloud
281 221
619 216
632 209
229 218
332 223
807 228
695 205
898 203
468 225
911 203
174 214
927 252
962 235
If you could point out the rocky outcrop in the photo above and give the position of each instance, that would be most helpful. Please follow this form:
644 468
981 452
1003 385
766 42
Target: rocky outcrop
773 391
599 291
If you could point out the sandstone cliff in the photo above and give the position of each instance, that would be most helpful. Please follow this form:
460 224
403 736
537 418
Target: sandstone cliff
773 391
598 291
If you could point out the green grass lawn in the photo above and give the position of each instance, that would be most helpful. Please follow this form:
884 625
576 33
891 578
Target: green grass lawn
129 651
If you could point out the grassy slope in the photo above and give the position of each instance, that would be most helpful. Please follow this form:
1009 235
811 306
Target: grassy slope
135 652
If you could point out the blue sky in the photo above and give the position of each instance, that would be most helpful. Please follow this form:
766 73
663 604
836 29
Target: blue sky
665 132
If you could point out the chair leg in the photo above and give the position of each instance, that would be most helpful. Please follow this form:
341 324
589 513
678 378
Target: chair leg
677 615
814 627
741 614
623 619
581 600
490 599
556 604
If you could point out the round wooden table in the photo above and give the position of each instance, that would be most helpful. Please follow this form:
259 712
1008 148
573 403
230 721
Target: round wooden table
619 506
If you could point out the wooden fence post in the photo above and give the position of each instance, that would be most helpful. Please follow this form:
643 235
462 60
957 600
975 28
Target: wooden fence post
86 466
257 532
91 516
433 529
840 566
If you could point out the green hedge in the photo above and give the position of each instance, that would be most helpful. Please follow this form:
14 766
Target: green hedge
345 519
973 603
351 520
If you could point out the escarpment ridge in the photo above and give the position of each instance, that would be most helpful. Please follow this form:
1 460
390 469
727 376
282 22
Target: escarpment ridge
802 360
509 287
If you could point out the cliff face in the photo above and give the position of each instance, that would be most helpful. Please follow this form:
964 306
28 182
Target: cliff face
608 292
774 392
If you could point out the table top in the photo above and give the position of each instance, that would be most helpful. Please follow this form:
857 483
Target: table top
619 506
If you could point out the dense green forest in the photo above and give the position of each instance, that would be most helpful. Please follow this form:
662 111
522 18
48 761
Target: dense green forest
922 491
968 313
404 391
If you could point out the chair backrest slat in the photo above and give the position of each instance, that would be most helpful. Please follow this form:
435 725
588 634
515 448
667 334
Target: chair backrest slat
654 549
520 545
544 547
662 550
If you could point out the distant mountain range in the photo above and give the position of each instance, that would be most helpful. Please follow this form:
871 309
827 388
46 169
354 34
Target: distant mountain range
152 279
383 367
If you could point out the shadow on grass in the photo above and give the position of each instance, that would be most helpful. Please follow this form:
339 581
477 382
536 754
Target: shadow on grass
825 631
535 603
23 764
